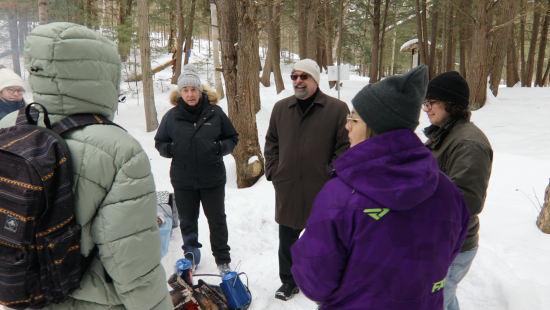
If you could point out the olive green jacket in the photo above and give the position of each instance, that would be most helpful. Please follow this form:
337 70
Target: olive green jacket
464 153
76 70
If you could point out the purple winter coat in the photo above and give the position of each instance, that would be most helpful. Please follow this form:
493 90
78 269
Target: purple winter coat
383 233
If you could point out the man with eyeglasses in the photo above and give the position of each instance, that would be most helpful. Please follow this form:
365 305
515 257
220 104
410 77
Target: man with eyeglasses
11 92
306 134
464 153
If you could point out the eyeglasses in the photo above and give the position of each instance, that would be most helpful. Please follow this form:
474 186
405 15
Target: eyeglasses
13 90
352 120
302 77
428 103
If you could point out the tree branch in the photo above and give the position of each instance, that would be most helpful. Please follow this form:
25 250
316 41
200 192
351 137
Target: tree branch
278 14
200 21
513 19
470 16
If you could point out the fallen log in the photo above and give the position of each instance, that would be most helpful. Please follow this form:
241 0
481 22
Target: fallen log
156 70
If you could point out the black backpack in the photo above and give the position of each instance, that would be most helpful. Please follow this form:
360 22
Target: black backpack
40 261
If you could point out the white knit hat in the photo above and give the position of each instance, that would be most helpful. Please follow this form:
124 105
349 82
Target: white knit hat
189 77
310 67
9 78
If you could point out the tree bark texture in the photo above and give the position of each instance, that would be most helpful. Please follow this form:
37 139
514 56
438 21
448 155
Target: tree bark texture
237 24
433 69
313 15
14 36
43 17
124 28
23 27
302 31
533 47
328 37
542 48
216 51
274 56
425 32
145 51
477 67
512 75
179 47
420 32
451 44
444 37
499 46
373 74
381 58
188 42
173 27
523 21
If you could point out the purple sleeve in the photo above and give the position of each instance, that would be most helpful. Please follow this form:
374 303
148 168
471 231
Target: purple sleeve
319 256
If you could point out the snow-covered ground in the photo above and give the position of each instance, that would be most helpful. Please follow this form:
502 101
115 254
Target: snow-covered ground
512 268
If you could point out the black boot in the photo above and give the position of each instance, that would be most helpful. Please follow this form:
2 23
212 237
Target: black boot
287 291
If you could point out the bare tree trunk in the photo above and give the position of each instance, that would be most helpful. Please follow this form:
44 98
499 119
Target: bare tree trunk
444 38
523 21
238 24
419 32
425 32
394 41
145 51
313 15
124 28
23 27
188 41
533 47
43 12
274 56
451 45
477 66
216 48
373 74
433 70
381 61
14 37
542 48
499 47
512 75
173 27
179 47
328 38
546 75
302 31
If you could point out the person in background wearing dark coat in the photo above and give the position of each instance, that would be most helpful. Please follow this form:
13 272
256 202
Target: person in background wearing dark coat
464 153
196 134
384 231
306 134
11 92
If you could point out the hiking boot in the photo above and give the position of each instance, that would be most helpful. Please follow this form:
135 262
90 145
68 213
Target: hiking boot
287 291
224 268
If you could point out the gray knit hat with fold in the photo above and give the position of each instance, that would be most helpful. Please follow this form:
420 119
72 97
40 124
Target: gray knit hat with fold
393 103
189 77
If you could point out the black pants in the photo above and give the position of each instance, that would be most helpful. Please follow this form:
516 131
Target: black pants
213 203
287 237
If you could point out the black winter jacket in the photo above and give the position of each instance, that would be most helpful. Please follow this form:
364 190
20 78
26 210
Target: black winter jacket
197 149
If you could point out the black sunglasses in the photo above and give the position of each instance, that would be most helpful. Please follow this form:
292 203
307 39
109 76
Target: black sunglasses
302 77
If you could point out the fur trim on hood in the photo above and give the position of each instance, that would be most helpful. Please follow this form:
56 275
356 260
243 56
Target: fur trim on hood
212 95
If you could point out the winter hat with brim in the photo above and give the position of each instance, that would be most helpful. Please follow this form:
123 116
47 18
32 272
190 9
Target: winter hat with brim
449 86
310 67
393 103
189 77
9 78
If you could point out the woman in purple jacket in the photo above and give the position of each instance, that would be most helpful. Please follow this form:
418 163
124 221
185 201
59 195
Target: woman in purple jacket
384 231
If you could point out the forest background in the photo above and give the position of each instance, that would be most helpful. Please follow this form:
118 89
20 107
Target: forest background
490 42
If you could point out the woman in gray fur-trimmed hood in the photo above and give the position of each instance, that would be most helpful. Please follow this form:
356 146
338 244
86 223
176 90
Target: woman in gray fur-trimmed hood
196 134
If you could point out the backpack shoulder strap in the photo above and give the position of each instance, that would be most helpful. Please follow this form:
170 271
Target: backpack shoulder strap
77 121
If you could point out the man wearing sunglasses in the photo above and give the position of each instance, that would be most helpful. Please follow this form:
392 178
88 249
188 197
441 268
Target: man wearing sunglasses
306 134
464 153
11 92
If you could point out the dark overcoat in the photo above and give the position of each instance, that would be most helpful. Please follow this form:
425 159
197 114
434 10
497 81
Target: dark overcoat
299 151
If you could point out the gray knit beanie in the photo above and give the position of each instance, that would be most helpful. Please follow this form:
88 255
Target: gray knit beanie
393 103
189 77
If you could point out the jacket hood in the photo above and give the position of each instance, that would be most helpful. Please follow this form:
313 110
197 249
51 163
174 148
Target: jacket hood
212 95
73 70
393 169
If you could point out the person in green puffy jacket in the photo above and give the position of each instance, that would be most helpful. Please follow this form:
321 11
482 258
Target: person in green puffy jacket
76 70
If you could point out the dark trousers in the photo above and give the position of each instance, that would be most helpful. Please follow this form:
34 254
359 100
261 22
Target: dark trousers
287 237
213 202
